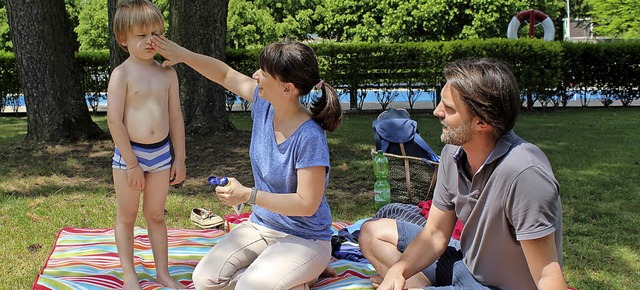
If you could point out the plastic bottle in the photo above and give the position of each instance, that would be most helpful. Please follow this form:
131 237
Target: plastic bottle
381 188
224 181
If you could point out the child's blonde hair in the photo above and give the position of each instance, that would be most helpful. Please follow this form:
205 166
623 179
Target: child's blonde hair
131 13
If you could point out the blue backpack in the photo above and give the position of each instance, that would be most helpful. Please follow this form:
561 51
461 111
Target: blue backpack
395 132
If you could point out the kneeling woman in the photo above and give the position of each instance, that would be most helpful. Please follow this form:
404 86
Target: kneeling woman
287 242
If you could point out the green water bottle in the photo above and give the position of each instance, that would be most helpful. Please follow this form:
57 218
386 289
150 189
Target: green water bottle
381 188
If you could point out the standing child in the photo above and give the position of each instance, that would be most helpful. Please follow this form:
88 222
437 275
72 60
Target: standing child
143 113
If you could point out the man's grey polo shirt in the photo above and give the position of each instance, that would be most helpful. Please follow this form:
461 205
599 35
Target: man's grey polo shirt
513 196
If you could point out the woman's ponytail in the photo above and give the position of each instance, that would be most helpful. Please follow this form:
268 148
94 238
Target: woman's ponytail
326 109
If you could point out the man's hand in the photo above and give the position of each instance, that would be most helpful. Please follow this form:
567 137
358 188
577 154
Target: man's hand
393 280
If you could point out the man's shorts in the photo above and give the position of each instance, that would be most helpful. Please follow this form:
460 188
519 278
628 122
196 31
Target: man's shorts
448 272
151 157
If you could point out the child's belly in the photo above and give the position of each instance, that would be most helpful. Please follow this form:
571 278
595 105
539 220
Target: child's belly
148 124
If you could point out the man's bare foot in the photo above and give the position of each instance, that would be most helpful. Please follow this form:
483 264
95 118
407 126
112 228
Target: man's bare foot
375 281
411 283
171 283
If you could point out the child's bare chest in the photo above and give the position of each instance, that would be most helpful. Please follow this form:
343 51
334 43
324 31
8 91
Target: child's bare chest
147 89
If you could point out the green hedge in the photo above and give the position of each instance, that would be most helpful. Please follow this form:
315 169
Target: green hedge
613 69
546 70
9 81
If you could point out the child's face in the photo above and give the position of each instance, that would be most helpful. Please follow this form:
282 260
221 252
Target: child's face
138 40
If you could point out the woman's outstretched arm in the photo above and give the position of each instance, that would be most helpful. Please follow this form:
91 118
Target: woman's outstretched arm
209 67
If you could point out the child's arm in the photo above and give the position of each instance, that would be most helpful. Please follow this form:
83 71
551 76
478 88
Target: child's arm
176 129
209 67
116 92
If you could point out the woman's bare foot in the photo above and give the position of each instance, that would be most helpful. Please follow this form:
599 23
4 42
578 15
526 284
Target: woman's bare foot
328 272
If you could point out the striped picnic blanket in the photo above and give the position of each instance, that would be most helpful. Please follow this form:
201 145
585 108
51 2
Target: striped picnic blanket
87 259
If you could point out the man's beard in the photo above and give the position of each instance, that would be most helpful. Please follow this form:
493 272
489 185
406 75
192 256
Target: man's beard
459 135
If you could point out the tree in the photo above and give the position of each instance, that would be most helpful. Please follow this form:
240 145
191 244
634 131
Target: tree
488 19
94 26
44 46
73 8
349 20
616 18
423 20
201 26
248 25
292 17
117 54
92 29
5 38
260 22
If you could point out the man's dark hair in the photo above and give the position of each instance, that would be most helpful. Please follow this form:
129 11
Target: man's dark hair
488 88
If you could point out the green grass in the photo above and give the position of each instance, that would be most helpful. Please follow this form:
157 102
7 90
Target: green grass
594 153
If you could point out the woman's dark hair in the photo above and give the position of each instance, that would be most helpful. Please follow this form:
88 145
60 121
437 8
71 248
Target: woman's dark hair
296 63
489 89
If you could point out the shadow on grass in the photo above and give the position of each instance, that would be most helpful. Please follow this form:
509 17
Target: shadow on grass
594 154
596 160
40 171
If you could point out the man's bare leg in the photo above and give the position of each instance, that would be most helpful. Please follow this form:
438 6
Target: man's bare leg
378 242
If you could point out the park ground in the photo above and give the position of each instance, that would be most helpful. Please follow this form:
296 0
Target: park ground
593 151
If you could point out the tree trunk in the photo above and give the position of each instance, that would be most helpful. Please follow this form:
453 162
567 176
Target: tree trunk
353 98
529 101
201 26
44 46
117 55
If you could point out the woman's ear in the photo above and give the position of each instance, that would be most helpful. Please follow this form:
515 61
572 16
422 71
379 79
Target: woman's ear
290 89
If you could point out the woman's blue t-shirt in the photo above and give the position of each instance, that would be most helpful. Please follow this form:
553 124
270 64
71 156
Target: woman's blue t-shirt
275 170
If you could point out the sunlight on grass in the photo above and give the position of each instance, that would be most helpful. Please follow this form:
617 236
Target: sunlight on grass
45 185
629 257
242 121
594 154
12 129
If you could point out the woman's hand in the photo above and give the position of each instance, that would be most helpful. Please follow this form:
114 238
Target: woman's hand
233 193
172 52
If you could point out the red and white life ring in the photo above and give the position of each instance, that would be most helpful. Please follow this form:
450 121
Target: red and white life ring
531 15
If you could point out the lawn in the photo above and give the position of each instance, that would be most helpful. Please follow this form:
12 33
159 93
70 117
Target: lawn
594 153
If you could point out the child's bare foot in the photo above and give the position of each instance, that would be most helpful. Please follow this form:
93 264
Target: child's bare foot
170 283
131 285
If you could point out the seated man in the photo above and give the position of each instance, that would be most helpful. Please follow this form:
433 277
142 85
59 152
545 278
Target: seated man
500 187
